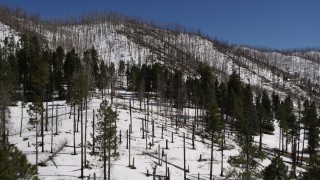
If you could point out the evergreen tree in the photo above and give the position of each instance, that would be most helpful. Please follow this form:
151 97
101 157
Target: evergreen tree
34 111
91 60
39 70
14 164
313 125
261 115
105 135
283 124
313 169
234 100
121 71
291 121
103 78
72 63
276 170
57 80
268 121
248 157
275 103
214 126
23 60
178 90
7 85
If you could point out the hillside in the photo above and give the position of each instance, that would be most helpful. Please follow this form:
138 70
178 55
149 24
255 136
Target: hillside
159 114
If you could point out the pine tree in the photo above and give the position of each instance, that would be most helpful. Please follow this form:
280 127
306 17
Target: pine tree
268 121
121 70
35 109
103 78
14 164
23 59
72 63
283 124
57 80
214 126
7 85
276 170
105 135
248 157
275 103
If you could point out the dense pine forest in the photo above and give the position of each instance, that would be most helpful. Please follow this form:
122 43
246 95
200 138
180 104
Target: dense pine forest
190 88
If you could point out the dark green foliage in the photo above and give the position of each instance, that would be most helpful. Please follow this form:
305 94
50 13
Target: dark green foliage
221 97
312 124
234 88
78 86
72 68
178 89
34 110
91 60
282 116
7 87
276 170
103 77
313 171
121 68
56 66
291 118
246 160
212 118
33 67
248 122
275 103
241 108
207 85
106 134
14 164
268 121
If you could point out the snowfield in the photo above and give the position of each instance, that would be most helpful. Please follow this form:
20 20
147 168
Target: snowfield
146 158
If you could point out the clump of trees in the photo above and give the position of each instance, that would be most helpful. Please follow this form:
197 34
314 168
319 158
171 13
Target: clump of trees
32 72
14 164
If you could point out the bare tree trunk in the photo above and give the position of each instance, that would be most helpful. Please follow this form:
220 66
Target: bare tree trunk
81 138
222 145
21 117
93 139
294 157
85 135
130 130
104 164
184 157
211 156
57 115
129 139
46 116
109 157
52 129
280 132
42 135
74 129
260 135
37 141
302 148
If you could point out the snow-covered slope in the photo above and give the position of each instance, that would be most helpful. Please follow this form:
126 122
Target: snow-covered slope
145 152
7 32
140 43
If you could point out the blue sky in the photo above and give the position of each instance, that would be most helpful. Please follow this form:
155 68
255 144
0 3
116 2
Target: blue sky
278 24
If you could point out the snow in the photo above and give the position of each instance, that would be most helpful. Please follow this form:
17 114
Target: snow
68 166
6 31
113 46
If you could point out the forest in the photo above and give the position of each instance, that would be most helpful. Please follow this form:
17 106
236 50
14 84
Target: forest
35 74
